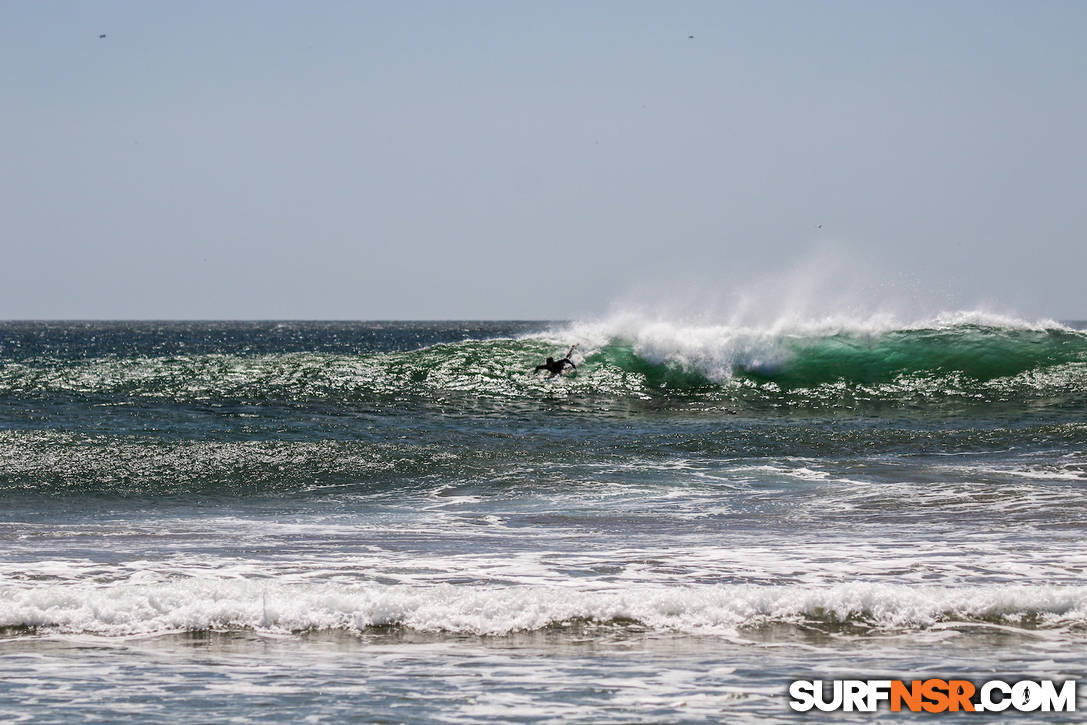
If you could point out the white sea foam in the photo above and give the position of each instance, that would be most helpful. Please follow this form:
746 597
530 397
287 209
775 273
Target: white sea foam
222 604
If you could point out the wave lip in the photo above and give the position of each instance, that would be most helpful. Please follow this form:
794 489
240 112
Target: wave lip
127 609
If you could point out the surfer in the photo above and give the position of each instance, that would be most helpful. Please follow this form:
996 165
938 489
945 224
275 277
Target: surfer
554 366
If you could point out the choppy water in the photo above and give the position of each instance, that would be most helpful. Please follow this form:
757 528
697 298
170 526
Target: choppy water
400 522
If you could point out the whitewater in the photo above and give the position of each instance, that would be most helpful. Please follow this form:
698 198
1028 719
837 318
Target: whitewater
401 522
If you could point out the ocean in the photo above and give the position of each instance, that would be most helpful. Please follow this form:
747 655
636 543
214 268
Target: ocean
402 522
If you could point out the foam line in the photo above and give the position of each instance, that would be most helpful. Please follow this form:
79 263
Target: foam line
122 609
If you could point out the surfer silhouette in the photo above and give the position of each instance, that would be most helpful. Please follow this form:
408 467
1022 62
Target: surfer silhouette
554 366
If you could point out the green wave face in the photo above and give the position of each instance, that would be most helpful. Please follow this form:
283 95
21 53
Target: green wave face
976 352
959 364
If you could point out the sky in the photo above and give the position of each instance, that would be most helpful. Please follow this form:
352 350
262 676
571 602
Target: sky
515 160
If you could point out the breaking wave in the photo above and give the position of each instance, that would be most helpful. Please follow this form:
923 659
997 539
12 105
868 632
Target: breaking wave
800 354
125 609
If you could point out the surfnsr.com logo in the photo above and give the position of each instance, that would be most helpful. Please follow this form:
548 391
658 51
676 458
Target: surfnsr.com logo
933 695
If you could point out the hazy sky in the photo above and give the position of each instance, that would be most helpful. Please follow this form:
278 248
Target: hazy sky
367 160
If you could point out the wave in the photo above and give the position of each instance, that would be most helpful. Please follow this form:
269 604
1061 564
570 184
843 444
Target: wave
65 464
126 609
867 350
968 358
